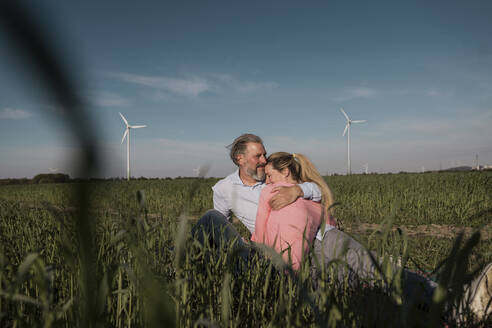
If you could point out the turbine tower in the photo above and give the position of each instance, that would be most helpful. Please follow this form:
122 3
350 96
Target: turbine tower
347 130
127 133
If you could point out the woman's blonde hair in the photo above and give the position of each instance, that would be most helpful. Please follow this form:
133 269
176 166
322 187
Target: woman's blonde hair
303 170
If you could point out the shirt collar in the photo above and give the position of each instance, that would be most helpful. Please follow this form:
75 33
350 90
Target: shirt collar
237 180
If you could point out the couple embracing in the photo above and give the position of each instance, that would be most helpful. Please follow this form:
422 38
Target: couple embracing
285 203
281 200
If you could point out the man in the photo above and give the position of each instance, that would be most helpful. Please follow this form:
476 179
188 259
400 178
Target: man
239 193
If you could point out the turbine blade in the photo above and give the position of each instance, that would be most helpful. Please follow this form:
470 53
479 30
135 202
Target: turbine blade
124 119
346 128
137 126
359 121
345 114
124 135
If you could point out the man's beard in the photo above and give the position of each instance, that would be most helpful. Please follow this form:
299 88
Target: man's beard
258 176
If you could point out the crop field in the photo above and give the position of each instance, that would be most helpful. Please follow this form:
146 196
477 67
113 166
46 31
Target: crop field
132 262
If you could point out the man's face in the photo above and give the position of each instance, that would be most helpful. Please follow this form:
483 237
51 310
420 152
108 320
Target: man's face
253 161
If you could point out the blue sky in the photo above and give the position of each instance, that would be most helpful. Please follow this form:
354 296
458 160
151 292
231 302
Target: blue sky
199 73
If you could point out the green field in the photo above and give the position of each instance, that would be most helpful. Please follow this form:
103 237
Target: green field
134 264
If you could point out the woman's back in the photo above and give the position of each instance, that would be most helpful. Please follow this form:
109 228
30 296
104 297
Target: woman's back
287 227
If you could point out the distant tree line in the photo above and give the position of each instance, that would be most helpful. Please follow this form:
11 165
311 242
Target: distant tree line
40 178
63 178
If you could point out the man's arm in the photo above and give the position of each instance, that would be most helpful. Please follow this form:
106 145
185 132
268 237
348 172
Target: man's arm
311 191
288 195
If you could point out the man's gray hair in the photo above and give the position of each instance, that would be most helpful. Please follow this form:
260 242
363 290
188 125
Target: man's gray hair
238 146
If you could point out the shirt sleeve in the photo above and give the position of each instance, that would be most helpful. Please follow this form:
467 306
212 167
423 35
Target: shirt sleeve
220 202
262 214
311 191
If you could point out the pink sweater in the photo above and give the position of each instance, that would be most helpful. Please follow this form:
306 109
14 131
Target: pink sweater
279 229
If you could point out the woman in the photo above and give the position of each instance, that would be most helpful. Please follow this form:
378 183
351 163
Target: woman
292 229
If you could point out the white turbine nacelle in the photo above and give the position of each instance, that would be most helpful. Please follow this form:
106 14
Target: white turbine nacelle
347 130
127 136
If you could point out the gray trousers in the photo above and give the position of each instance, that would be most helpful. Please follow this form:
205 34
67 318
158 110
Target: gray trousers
339 246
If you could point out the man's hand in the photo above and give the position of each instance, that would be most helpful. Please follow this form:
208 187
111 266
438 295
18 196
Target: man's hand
285 196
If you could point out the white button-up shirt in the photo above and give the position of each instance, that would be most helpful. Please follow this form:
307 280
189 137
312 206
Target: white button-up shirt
231 195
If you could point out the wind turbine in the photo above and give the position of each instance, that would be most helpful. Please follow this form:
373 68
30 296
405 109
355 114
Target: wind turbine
347 129
366 168
127 133
202 170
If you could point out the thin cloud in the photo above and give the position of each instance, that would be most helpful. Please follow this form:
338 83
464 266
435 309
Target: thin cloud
107 99
191 87
195 86
437 93
353 93
433 93
57 110
244 87
14 114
